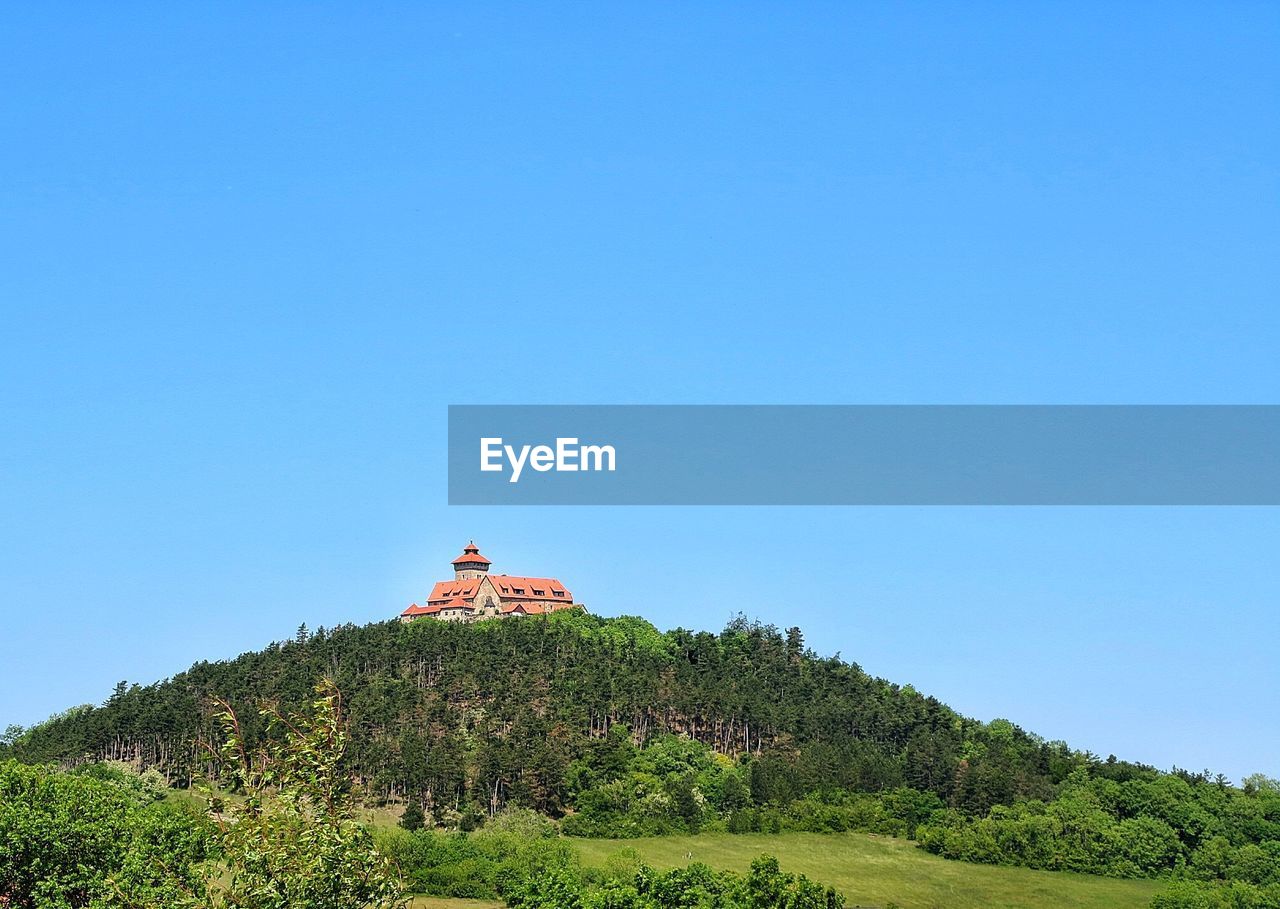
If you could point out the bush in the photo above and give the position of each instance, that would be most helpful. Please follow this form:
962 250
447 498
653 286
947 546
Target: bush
146 786
897 812
764 887
481 865
1221 895
76 840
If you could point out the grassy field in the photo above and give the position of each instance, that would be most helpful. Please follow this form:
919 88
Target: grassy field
873 871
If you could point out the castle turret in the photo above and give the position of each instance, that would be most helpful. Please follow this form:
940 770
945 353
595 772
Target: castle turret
470 564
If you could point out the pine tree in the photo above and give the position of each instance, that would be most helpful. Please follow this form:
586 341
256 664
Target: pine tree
413 818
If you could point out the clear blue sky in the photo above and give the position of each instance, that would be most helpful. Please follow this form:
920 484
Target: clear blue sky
247 257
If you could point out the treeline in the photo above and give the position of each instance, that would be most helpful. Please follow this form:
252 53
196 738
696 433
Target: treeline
676 785
104 836
468 718
1218 839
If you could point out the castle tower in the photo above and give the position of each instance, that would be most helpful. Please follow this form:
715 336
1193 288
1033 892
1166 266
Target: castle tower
470 564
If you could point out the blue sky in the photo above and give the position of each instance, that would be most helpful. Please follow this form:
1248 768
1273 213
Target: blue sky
248 257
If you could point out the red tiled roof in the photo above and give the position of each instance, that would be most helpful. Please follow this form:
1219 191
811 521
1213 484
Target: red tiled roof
415 609
511 586
526 608
456 603
471 554
448 590
535 608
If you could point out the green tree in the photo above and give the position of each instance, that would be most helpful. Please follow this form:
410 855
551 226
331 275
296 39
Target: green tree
293 842
412 818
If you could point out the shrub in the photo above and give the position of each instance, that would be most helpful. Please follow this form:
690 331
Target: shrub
76 840
483 865
1228 895
764 887
146 786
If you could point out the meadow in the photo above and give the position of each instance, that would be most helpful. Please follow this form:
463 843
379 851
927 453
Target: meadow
871 871
877 870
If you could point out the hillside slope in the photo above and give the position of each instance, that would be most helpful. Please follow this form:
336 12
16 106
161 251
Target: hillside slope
498 710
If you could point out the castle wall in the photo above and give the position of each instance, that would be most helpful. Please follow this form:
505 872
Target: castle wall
487 599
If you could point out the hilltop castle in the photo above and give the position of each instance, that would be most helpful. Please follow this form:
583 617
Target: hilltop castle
474 594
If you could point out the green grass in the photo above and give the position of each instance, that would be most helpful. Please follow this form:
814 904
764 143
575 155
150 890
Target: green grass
447 902
874 870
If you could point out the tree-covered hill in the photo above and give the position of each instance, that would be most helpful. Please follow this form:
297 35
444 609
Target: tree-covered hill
623 730
495 711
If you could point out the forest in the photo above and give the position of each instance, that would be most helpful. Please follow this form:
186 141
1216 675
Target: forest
612 728
286 836
470 718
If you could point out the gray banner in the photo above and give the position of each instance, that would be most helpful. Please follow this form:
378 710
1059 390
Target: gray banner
864 455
